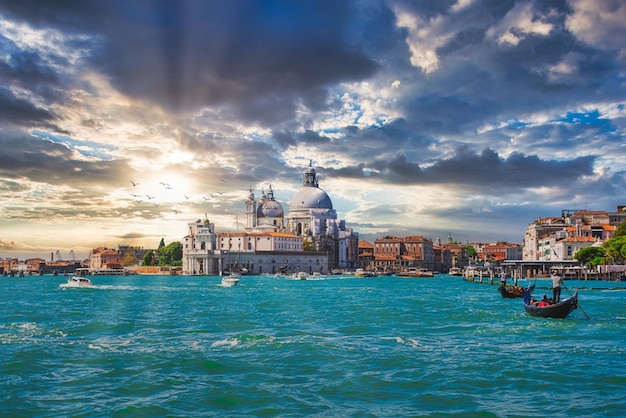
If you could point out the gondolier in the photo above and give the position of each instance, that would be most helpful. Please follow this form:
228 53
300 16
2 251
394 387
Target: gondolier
556 287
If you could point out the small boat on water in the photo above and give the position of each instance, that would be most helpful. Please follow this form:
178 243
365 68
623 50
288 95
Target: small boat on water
425 273
455 271
512 292
77 281
301 275
556 310
416 272
364 273
231 280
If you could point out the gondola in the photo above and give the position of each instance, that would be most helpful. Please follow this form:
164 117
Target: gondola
510 293
557 310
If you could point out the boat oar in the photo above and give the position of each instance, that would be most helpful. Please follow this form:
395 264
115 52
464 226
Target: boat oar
577 302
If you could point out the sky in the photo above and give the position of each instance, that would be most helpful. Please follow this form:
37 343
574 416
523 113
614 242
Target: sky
122 121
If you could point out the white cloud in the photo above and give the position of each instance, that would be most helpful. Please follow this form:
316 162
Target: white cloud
423 38
519 22
460 5
599 23
48 44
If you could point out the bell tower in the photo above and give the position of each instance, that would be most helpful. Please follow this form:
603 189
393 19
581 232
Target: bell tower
250 210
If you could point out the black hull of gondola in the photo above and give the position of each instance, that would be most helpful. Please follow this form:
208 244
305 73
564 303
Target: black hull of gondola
558 310
509 295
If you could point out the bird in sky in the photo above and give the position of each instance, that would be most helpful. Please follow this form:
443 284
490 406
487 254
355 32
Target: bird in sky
133 183
149 197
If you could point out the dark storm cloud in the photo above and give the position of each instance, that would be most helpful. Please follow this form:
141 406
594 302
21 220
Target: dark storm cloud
264 59
19 111
469 168
480 80
25 156
285 139
24 67
517 170
185 54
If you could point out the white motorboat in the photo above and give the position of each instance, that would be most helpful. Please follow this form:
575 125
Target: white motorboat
301 275
455 271
425 273
77 281
231 280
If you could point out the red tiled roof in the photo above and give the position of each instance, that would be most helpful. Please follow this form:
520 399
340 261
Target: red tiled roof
365 244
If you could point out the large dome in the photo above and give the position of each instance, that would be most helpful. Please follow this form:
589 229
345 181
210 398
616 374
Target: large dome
310 198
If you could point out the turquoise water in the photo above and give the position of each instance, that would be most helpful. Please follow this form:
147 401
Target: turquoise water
341 346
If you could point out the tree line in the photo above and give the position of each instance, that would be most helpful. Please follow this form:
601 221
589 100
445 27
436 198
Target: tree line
164 255
612 252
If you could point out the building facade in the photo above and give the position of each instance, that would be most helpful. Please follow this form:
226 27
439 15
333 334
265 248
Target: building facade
559 238
104 258
206 252
396 254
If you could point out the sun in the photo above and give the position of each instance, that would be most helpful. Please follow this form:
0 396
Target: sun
164 186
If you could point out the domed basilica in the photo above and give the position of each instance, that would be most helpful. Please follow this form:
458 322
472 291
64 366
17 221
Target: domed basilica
311 212
309 236
310 216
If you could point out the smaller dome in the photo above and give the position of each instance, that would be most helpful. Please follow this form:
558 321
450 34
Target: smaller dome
270 209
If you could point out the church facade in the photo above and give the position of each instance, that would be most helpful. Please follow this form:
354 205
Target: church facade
309 238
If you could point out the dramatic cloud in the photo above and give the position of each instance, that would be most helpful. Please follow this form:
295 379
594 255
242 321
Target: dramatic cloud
464 117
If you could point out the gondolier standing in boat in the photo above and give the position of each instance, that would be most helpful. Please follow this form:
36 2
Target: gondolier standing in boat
503 280
556 287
